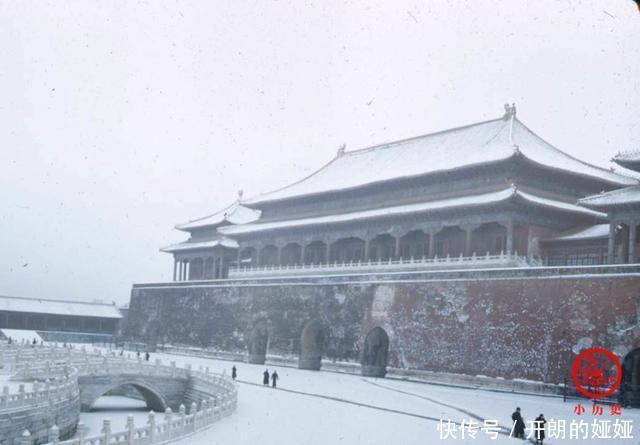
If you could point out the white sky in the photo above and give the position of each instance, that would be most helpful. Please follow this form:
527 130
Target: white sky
120 119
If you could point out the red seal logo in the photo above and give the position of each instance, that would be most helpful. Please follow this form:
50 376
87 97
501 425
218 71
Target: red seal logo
597 373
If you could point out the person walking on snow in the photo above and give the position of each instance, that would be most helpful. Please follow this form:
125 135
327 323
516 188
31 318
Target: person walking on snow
146 356
539 428
274 378
265 377
518 424
234 372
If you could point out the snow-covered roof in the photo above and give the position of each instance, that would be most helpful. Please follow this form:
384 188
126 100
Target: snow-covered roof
194 245
20 335
429 206
621 197
476 144
236 213
58 307
591 232
629 159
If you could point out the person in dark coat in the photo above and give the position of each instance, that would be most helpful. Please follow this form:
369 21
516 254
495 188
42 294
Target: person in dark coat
146 356
265 377
539 428
234 372
518 424
274 378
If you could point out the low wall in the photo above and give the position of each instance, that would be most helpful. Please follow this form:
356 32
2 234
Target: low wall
524 323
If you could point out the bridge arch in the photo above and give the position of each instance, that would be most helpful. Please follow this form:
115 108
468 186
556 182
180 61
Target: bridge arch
311 346
375 353
91 391
258 341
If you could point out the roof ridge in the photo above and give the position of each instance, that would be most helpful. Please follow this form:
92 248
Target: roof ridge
413 138
609 193
554 148
235 203
96 303
376 147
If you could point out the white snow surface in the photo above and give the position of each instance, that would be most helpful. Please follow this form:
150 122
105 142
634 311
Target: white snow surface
476 144
279 417
116 409
20 335
595 231
236 213
627 195
192 245
429 206
61 307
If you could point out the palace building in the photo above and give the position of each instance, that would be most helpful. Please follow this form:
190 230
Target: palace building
480 250
490 194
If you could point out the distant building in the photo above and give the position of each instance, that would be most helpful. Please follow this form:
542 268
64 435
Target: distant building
472 193
58 320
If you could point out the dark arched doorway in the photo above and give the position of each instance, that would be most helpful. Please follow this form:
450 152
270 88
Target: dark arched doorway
130 389
258 343
630 385
375 353
311 344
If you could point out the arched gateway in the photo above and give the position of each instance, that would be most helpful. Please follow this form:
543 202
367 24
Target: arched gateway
258 343
375 353
311 344
630 385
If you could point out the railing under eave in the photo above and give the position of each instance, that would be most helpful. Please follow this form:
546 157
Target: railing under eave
496 260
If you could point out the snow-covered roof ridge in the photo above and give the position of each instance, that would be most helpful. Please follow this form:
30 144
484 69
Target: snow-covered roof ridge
623 196
509 193
236 213
194 245
461 147
628 155
591 232
62 307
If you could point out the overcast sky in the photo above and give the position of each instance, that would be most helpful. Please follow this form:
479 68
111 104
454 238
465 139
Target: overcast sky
120 119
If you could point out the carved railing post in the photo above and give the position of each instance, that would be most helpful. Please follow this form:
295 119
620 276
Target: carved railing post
130 430
193 411
151 421
54 434
5 397
26 438
81 432
168 414
106 431
183 415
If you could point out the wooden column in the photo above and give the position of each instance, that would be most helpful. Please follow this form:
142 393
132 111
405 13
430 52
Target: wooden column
467 242
432 244
238 260
397 251
366 250
279 257
509 236
302 252
612 242
327 251
632 242
175 269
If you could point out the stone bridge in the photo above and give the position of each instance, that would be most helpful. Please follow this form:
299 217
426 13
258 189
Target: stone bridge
75 379
159 392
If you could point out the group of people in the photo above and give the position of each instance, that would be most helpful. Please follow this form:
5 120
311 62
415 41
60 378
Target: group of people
519 426
265 376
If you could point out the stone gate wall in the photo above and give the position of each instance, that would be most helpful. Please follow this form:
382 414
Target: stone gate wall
509 323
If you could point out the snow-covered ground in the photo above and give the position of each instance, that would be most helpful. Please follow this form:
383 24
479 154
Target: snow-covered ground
116 409
321 408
